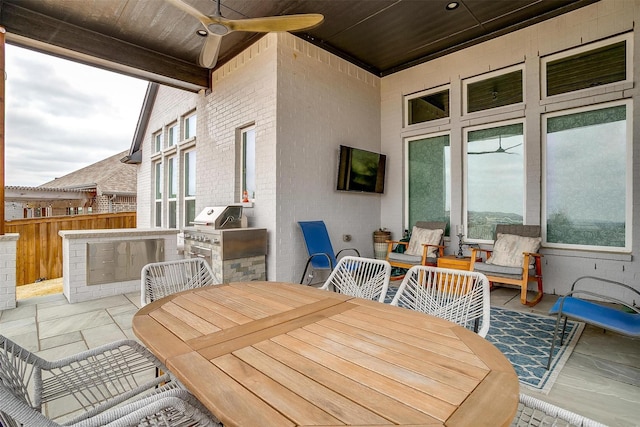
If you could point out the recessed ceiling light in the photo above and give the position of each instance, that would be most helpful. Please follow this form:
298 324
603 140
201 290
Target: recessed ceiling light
452 5
202 33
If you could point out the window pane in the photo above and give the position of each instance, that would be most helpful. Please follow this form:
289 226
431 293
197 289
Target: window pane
429 179
586 162
190 127
158 142
173 135
189 212
587 69
172 214
249 162
498 91
495 179
173 177
158 214
428 107
190 173
158 180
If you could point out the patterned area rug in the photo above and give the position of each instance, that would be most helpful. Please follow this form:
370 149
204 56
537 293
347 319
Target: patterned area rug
525 339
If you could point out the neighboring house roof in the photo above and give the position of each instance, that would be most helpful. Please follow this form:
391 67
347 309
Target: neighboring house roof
108 176
17 193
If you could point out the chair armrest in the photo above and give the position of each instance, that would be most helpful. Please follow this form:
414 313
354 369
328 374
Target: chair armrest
576 290
474 252
347 249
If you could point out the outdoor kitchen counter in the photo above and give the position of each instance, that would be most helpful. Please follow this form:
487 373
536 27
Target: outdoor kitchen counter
277 354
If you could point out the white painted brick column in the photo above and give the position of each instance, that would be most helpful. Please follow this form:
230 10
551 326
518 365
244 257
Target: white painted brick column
8 243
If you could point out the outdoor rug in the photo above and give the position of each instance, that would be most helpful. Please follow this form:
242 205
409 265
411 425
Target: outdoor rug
525 339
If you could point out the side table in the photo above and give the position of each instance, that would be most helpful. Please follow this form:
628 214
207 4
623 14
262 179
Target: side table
455 263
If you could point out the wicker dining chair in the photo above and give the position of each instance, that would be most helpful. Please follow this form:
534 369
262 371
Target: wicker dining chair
459 296
89 382
360 277
159 279
534 412
169 406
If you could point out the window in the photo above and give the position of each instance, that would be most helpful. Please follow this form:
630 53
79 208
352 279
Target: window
587 177
190 126
189 187
157 139
429 179
601 63
494 178
172 177
427 106
248 179
158 193
494 90
172 135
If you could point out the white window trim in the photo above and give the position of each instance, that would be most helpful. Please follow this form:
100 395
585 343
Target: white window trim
628 178
186 117
182 181
244 130
585 48
470 80
465 172
153 190
420 94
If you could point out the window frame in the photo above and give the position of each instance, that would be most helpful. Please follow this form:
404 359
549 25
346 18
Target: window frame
158 192
544 60
157 141
173 184
186 121
243 160
465 172
431 91
172 135
490 75
186 197
628 177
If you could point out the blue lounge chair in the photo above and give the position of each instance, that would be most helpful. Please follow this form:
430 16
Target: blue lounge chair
624 320
319 248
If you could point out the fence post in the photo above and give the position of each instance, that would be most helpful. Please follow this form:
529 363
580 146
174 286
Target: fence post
8 243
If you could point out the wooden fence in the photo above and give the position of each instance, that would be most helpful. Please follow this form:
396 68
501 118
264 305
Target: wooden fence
39 248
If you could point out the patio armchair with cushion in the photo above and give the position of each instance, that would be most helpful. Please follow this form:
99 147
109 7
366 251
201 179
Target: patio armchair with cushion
86 384
423 248
513 260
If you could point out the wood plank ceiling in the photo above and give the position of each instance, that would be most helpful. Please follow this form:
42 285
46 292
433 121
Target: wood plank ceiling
154 40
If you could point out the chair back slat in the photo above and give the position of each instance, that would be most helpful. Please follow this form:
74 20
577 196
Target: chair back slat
459 296
160 279
360 277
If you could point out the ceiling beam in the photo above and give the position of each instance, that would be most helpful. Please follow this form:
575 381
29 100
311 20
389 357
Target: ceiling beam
32 30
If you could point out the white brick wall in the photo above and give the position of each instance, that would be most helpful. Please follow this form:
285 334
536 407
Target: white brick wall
600 20
8 244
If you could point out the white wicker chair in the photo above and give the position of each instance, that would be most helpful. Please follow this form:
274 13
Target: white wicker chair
160 279
360 277
459 296
88 384
535 412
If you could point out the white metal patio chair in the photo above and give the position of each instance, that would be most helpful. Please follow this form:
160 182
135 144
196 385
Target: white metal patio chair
534 412
159 279
459 296
86 384
360 277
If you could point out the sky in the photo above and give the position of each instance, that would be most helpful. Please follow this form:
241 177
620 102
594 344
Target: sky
62 116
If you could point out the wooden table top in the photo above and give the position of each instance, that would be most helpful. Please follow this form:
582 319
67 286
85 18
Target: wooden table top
278 354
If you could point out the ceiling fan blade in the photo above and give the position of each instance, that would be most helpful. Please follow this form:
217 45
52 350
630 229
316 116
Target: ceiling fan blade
209 53
271 23
204 19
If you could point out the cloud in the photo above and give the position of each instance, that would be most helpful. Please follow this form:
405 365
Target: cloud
62 116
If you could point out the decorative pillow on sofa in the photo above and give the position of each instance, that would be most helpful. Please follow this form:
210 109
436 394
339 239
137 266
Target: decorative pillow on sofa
421 236
508 249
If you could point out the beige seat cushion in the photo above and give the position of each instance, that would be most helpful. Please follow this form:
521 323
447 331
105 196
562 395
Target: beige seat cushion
508 249
424 236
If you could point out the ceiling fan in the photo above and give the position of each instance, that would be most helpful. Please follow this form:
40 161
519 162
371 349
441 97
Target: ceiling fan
216 26
498 150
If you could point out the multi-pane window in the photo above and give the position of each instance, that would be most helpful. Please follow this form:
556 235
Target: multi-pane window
158 184
248 178
172 135
189 187
587 177
172 192
427 106
494 178
190 126
429 179
157 142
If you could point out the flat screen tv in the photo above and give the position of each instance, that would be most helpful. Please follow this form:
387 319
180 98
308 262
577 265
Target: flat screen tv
361 170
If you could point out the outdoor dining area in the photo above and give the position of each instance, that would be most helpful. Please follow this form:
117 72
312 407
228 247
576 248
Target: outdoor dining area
360 349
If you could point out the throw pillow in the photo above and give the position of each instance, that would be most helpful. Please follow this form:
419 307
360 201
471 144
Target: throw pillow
508 249
420 236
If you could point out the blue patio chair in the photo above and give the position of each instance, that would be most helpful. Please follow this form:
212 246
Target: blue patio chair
319 248
624 320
